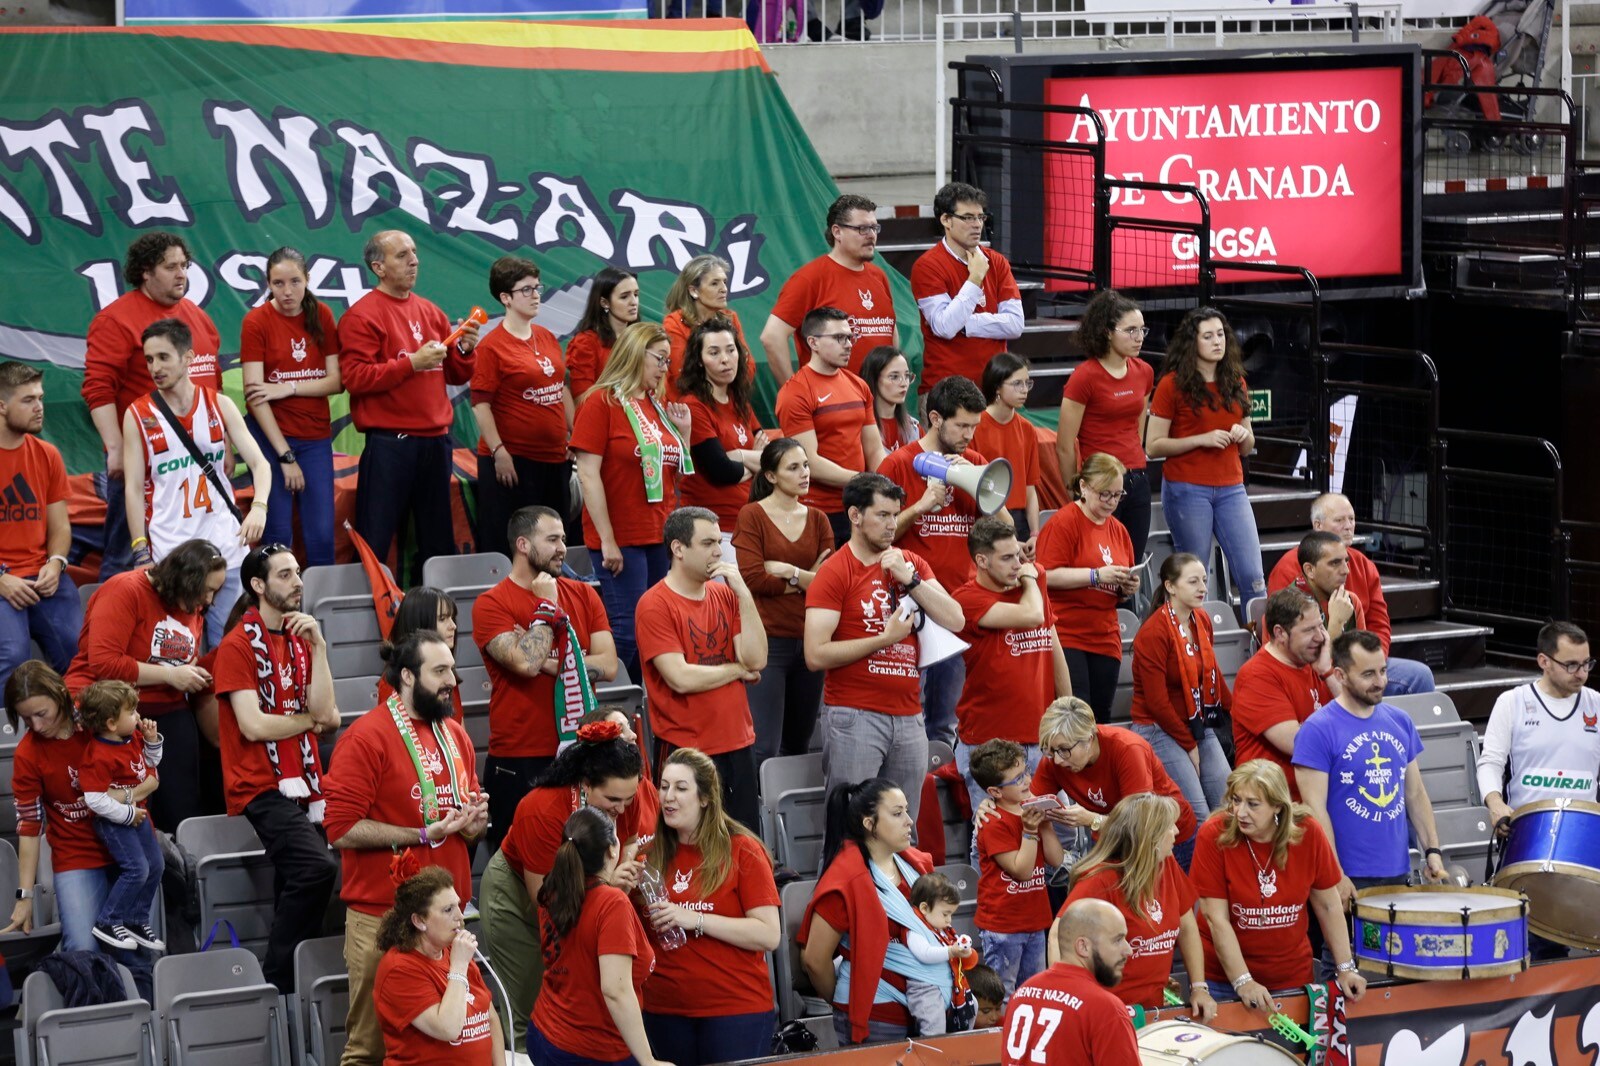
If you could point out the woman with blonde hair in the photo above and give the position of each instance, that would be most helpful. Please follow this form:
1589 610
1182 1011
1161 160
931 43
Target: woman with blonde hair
1088 564
630 449
1132 868
700 292
1258 863
709 1000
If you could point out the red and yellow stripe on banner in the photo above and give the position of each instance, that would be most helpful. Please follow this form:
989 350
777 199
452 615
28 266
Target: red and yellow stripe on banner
686 46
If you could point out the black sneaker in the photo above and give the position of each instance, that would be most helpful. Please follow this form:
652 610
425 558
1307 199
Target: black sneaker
144 936
117 936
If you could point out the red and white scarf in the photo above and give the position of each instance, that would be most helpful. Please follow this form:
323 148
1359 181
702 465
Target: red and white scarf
1197 665
281 689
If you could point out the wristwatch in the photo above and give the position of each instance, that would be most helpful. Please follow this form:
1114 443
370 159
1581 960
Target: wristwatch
794 578
24 893
288 459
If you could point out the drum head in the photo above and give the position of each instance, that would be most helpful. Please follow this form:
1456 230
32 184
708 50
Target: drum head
1179 1043
1562 906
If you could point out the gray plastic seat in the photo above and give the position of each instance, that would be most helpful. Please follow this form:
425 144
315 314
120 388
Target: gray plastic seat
1465 834
800 819
1427 708
340 599
354 696
232 876
216 1010
792 903
321 1000
49 1033
464 578
23 950
1449 765
780 774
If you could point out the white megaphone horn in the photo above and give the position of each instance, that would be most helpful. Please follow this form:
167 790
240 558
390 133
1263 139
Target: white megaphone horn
988 485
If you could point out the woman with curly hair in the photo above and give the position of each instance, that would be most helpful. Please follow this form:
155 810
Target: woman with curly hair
1200 424
716 384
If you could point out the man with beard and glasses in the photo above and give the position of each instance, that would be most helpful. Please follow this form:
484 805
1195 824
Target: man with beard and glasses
1067 1015
402 795
276 695
40 601
546 642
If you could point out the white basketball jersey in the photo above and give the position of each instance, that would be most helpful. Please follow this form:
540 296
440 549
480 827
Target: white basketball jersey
1552 758
180 501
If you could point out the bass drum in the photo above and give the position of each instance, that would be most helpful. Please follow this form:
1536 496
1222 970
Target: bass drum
1553 857
1182 1043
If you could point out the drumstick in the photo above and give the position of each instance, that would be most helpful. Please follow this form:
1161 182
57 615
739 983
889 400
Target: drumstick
1288 1029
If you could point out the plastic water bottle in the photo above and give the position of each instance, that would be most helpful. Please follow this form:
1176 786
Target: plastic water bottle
653 891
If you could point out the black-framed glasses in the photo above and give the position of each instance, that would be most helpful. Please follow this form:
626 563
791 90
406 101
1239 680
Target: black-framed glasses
1578 667
870 229
845 339
1109 497
979 217
528 290
1058 752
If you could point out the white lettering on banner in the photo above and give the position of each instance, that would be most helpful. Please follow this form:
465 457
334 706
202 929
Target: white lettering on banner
1308 181
1192 122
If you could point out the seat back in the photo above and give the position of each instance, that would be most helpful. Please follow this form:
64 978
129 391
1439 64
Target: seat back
1223 617
800 818
786 960
322 999
355 696
216 1010
233 878
8 805
109 1034
965 878
340 599
23 950
464 578
1449 765
1427 708
1465 834
780 774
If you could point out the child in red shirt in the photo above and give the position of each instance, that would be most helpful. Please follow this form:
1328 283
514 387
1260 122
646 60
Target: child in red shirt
1013 902
934 1010
121 759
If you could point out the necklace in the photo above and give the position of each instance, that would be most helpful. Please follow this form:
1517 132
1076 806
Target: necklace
1266 876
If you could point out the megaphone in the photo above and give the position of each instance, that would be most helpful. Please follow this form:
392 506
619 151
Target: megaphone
988 485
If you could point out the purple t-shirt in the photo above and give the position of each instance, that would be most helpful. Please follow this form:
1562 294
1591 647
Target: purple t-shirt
1365 760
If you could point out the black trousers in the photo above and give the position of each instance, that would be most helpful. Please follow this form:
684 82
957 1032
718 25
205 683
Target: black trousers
741 788
508 778
1134 511
406 479
1094 680
546 483
303 875
181 793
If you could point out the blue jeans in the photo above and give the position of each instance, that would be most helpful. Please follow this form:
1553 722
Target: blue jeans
941 691
1197 512
116 550
315 459
54 622
222 606
545 1053
642 566
1407 676
703 1041
79 896
1015 957
1202 789
137 855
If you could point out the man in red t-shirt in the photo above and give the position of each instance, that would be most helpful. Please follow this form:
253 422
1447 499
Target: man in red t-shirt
700 643
114 374
536 631
395 366
952 280
829 411
861 629
1291 676
846 278
275 693
1067 1016
1014 661
40 602
403 794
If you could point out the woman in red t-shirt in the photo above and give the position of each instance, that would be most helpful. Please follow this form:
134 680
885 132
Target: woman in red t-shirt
1103 405
1003 433
289 354
431 1001
1131 866
631 446
1258 863
700 292
1200 423
613 306
596 956
726 443
710 1000
888 375
1087 560
523 407
1179 694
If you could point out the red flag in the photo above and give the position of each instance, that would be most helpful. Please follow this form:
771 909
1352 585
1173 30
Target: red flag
644 756
386 595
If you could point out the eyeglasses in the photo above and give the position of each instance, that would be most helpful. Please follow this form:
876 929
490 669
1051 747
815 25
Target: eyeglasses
661 360
1137 333
528 290
845 339
1066 752
1019 779
980 217
871 229
1026 384
898 379
1579 667
1109 497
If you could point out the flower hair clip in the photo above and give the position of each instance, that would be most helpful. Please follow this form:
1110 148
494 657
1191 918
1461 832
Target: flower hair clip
599 732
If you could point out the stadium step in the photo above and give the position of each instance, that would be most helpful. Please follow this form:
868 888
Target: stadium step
1050 342
1280 508
1411 597
1474 690
1442 645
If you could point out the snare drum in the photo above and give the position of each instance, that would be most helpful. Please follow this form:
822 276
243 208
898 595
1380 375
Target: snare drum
1553 857
1441 932
1181 1043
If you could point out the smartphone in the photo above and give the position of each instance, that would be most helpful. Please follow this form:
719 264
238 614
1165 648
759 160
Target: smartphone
1042 804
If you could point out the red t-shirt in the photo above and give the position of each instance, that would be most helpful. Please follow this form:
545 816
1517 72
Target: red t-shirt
522 715
587 356
112 764
373 777
541 816
1006 905
1159 695
708 977
1364 583
246 770
376 337
602 428
44 782
522 381
1266 693
1086 618
1017 442
288 353
1111 410
837 407
889 433
113 363
570 1011
1152 929
127 624
1202 466
704 632
409 983
33 477
722 421
887 681
1063 1017
1004 666
678 338
938 271
1271 928
939 536
863 295
1127 765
